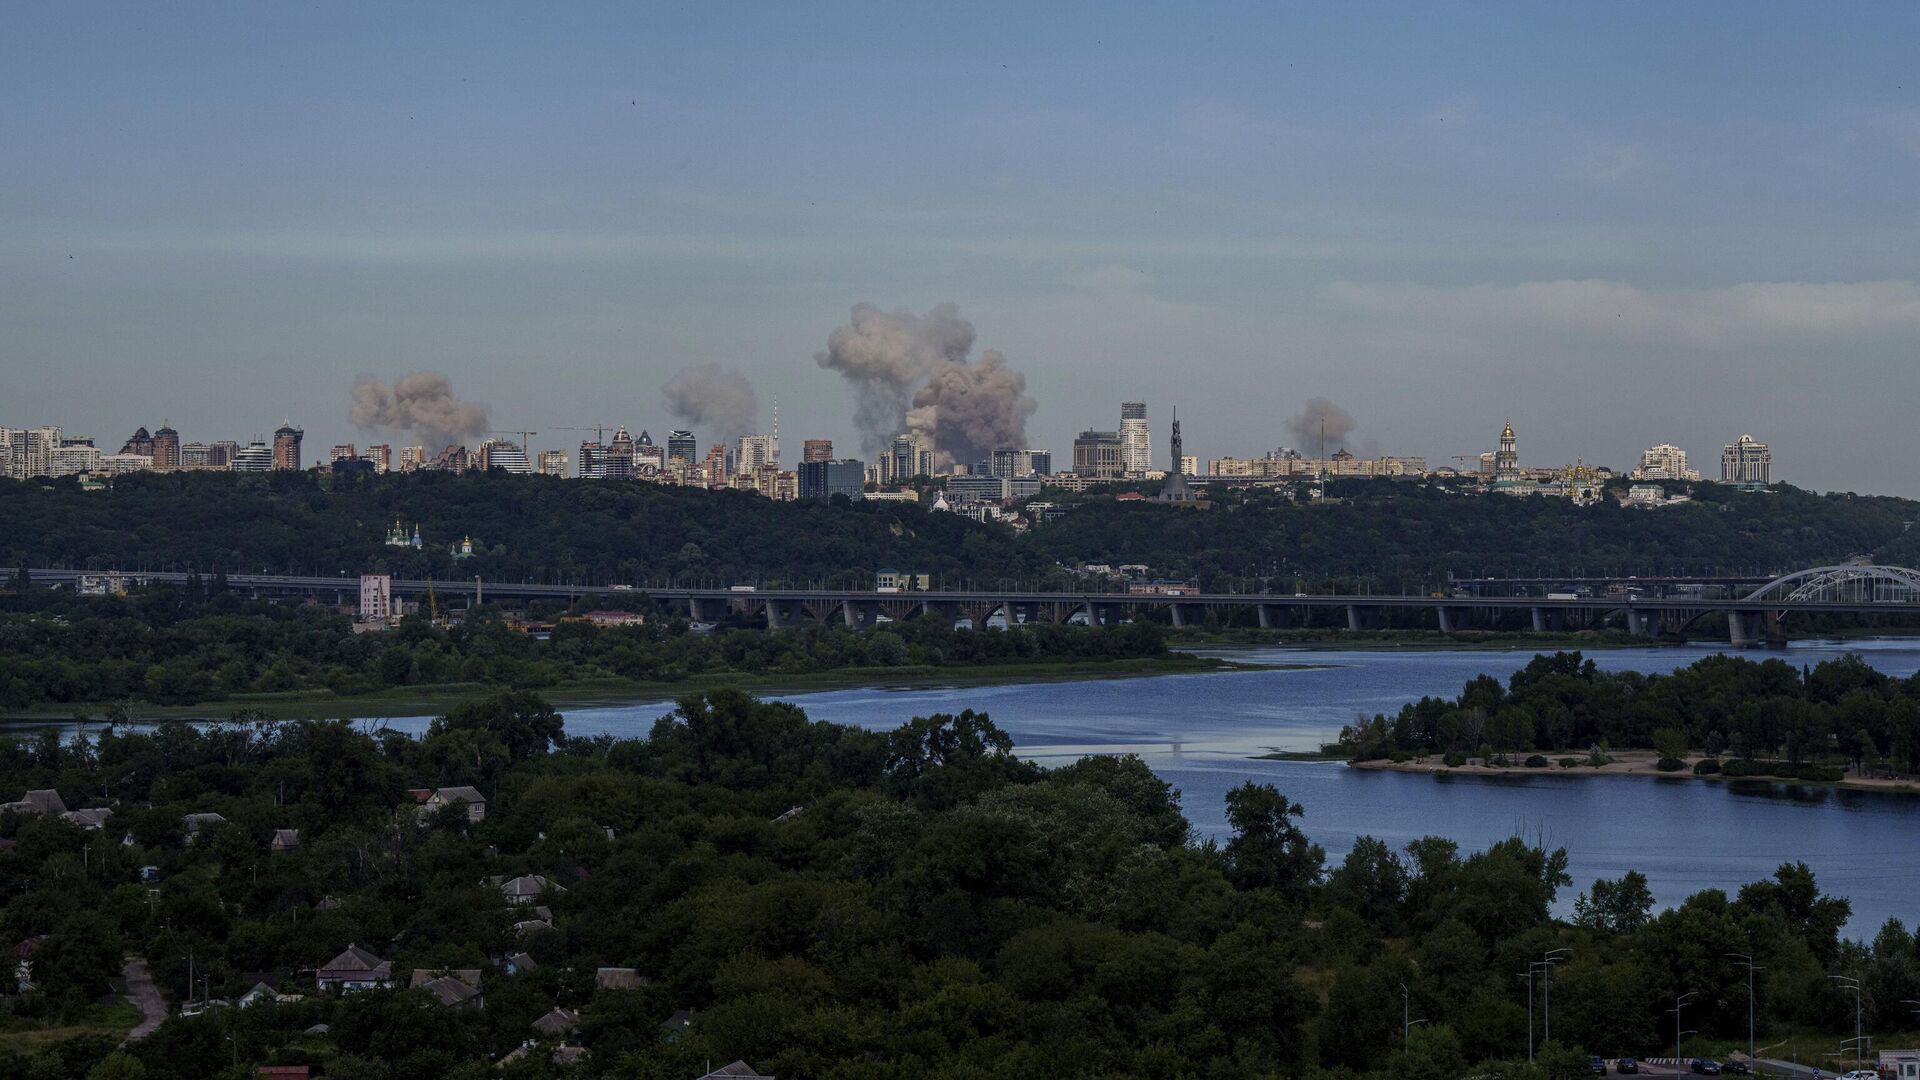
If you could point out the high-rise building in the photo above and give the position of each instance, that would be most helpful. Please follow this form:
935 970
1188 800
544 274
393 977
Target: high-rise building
716 466
908 456
286 447
196 455
593 460
1007 462
816 450
220 453
256 456
166 448
1097 454
753 452
825 479
1664 462
682 447
553 463
505 455
376 597
618 461
1747 461
30 450
412 458
381 454
139 443
75 458
1136 439
343 452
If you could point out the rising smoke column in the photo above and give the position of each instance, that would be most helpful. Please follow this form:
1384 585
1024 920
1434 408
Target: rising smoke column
714 399
422 403
910 373
1305 427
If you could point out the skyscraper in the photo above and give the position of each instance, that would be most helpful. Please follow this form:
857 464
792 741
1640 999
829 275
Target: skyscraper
1664 462
1136 439
166 448
505 455
682 447
825 479
816 450
286 447
619 455
1747 461
553 463
1097 454
381 454
754 451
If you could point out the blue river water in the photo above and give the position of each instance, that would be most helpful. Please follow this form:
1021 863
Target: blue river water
1202 732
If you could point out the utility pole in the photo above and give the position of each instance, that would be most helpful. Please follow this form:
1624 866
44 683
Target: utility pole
1743 958
1528 975
1546 962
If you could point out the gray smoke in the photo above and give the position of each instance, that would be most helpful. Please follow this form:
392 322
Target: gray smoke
1305 427
712 399
422 403
910 373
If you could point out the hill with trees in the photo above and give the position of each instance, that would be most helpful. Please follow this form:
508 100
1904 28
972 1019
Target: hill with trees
1383 535
826 902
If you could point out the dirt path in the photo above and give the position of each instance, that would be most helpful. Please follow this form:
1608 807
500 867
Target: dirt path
143 994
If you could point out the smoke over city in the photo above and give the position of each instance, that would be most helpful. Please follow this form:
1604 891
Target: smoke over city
421 403
712 401
1306 427
911 373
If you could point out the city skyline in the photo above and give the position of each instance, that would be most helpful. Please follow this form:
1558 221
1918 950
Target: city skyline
1632 227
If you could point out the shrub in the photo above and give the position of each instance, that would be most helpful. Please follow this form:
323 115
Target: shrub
1455 759
1706 767
1399 756
1536 762
1819 773
1669 764
1568 763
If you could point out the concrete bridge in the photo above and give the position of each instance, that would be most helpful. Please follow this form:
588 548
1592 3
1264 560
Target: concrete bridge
1757 617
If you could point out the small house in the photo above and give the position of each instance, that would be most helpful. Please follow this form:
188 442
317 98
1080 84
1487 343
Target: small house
528 888
354 969
199 823
476 803
1900 1064
558 1022
458 988
736 1070
515 963
284 840
618 978
42 802
92 819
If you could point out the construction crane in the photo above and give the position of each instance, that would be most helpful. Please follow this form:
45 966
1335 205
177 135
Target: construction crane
433 607
599 430
526 438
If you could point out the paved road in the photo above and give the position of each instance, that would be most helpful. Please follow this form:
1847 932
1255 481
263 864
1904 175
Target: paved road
142 993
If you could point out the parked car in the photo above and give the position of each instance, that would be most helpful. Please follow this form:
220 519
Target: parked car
1736 1068
1861 1074
1599 1067
1706 1066
1627 1065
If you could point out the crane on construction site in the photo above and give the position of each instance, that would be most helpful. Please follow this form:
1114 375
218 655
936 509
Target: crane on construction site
599 430
526 438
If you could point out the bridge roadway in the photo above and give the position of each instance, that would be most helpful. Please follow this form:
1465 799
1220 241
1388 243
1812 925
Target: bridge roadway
1750 621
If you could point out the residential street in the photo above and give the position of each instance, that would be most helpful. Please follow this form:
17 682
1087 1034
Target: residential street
142 993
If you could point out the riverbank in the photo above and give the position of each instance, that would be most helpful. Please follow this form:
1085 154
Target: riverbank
596 693
1640 763
1423 640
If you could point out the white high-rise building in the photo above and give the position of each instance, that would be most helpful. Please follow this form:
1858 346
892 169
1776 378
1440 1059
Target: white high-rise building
1136 439
376 597
505 455
1747 461
553 463
1664 462
754 451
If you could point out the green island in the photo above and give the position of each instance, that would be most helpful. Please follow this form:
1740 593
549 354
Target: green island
500 898
1837 722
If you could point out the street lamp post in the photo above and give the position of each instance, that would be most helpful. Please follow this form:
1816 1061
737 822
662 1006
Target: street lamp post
1528 975
1406 1025
1859 1036
1679 1003
1751 967
1546 962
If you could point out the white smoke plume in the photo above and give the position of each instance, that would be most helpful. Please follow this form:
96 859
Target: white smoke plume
712 399
910 373
421 403
1306 428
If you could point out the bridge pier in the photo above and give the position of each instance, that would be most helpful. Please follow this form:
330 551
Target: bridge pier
1362 618
1539 617
1639 623
701 609
1277 616
1446 619
782 614
859 614
1739 633
1180 617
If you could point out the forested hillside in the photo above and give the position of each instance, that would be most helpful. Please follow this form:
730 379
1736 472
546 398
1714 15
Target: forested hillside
1381 535
832 902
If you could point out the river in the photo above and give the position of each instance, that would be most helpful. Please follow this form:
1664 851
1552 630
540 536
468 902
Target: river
1201 732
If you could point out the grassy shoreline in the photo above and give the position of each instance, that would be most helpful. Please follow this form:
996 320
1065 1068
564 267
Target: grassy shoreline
431 700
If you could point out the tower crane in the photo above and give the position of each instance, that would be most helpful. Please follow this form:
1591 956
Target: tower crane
599 430
526 438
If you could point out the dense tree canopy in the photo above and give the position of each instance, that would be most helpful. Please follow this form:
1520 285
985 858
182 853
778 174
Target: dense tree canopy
836 902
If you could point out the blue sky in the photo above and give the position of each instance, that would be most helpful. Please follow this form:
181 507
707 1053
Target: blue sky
1616 223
